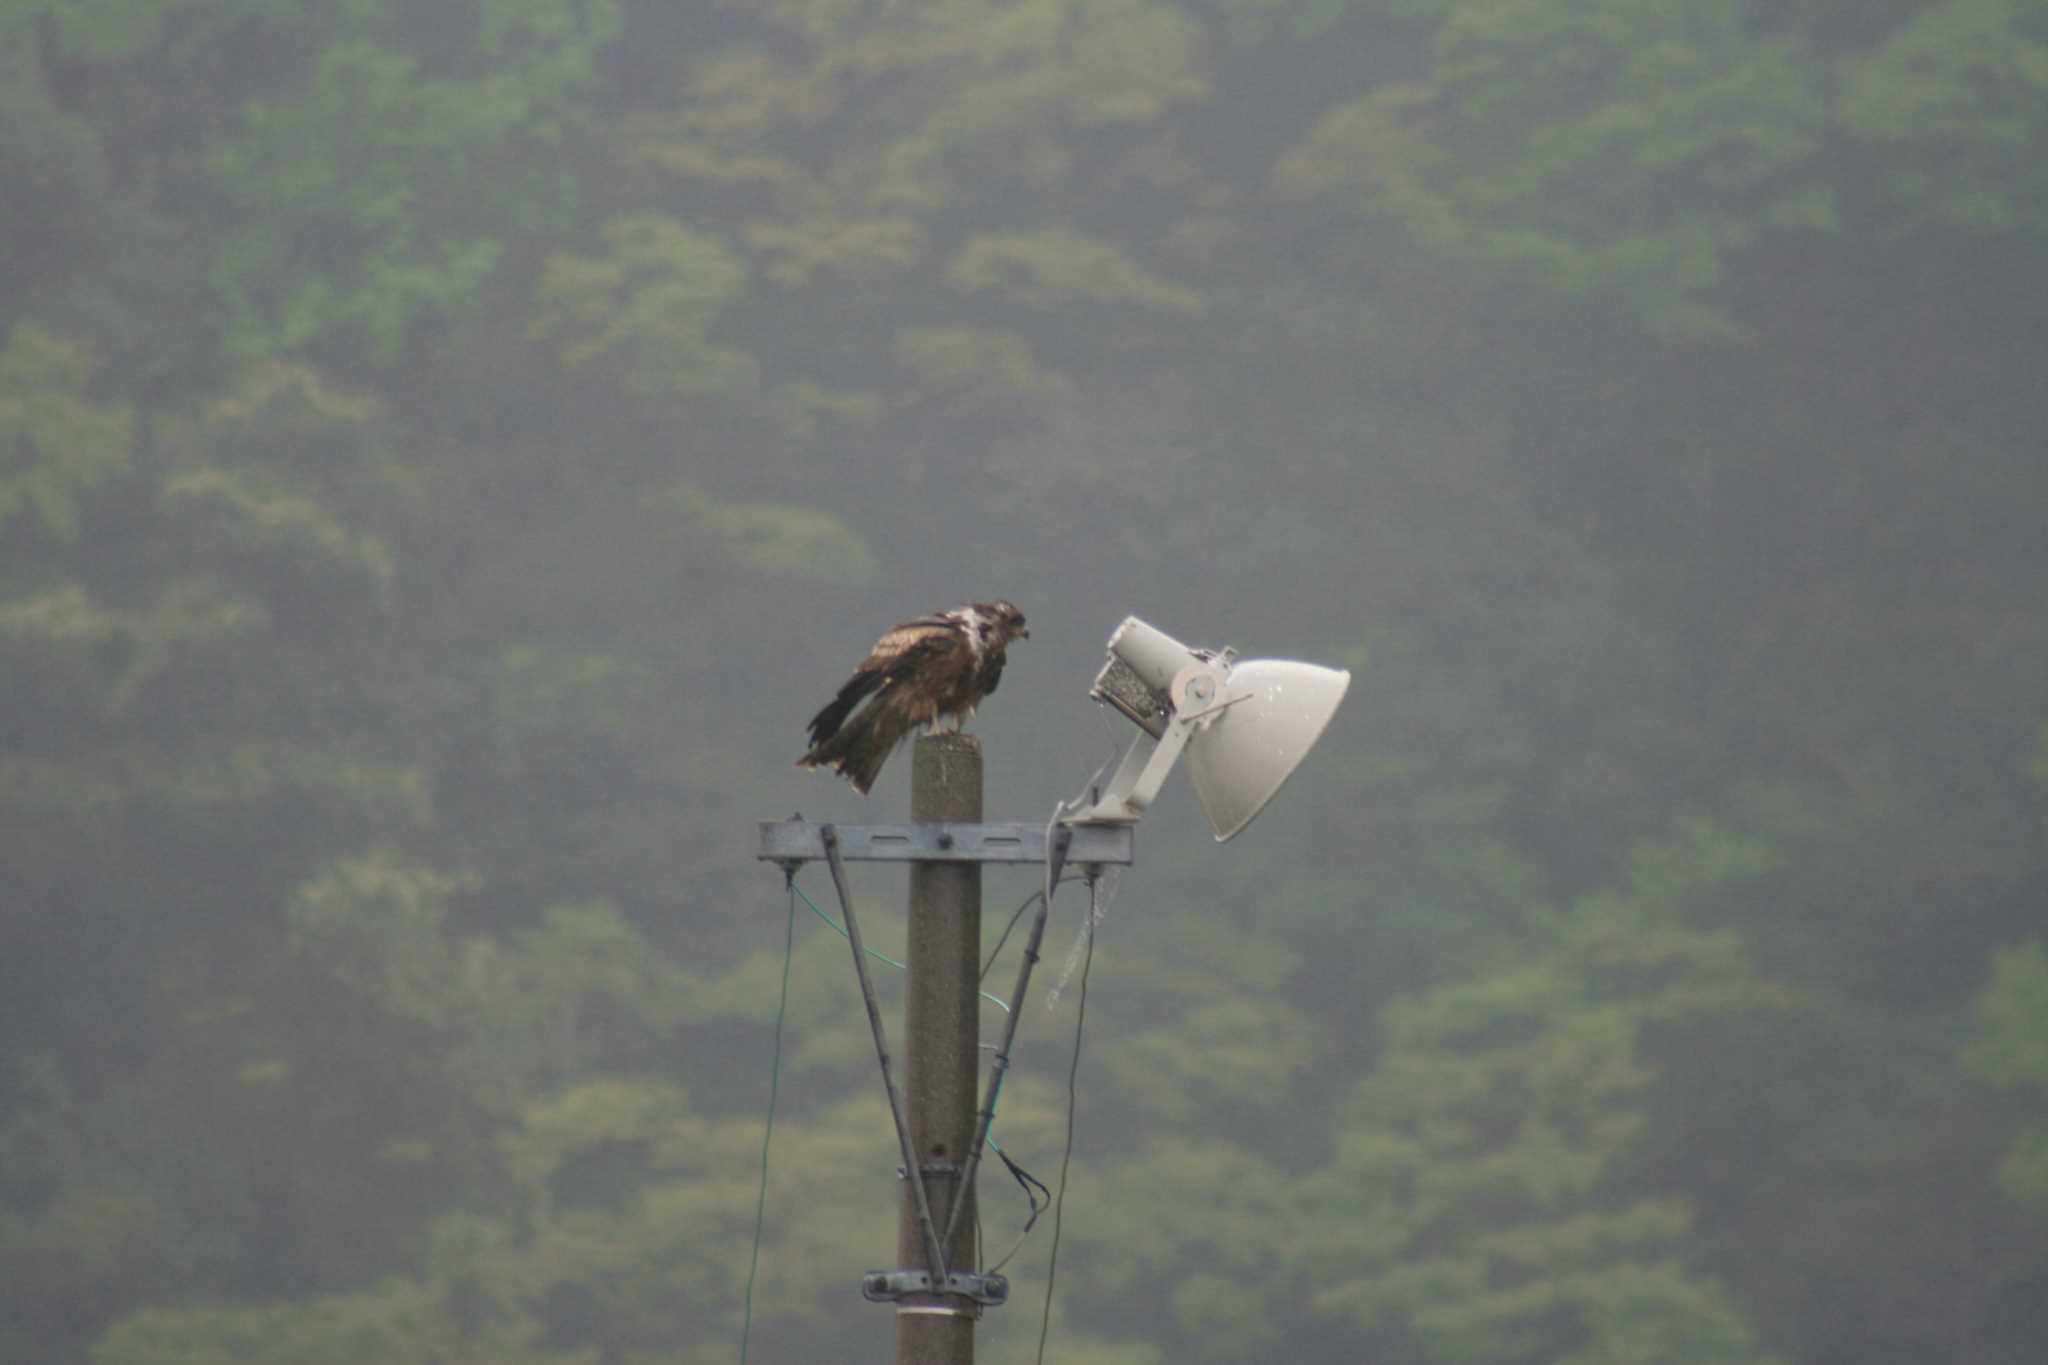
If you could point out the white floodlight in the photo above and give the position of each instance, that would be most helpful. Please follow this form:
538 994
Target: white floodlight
1246 726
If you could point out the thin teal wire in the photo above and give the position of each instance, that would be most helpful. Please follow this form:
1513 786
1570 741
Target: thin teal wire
768 1130
840 930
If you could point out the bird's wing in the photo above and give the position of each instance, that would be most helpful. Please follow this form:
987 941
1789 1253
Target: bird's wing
899 654
911 642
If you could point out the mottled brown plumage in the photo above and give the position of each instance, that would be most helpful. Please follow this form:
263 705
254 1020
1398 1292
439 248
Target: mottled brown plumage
919 673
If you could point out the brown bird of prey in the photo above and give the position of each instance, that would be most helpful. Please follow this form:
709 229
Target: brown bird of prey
919 673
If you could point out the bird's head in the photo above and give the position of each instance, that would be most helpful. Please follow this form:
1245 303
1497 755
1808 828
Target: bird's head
1007 621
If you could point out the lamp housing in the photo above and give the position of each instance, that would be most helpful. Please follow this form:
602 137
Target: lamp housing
1245 725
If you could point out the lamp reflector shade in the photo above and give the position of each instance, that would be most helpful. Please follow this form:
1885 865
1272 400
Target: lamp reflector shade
1272 714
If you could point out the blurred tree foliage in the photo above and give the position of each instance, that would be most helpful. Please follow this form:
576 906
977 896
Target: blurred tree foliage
1486 1200
61 444
437 443
2012 1051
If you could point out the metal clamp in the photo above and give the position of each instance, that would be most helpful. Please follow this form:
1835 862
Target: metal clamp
890 1286
933 1170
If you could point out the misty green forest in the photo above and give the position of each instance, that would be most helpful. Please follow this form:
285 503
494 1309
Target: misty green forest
448 450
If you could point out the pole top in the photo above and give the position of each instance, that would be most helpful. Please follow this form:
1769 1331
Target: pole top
945 778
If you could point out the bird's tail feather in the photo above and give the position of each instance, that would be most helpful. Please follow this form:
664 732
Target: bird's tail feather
860 747
826 723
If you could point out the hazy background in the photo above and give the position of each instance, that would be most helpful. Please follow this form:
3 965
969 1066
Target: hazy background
448 450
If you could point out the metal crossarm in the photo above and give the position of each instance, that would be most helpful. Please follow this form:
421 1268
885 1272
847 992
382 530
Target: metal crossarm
795 841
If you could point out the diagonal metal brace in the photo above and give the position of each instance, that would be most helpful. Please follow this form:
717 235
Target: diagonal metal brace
1001 1064
934 1252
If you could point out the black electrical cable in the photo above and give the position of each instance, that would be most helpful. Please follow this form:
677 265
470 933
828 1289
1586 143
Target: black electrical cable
1015 915
997 951
1032 1186
1034 1190
1067 1156
768 1129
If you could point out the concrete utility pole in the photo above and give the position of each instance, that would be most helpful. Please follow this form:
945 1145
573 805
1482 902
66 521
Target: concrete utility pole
942 1039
